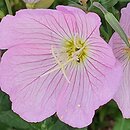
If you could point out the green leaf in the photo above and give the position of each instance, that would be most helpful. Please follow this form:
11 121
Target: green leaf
113 22
62 126
116 26
4 102
1 14
59 126
13 120
108 3
122 124
3 127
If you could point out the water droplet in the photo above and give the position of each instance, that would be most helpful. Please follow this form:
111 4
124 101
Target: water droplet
79 105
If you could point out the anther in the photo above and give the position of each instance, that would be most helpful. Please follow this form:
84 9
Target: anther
76 49
78 60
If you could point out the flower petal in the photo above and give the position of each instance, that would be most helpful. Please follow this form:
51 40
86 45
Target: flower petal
36 26
23 66
93 84
125 19
33 95
75 105
86 23
47 26
79 100
122 97
101 63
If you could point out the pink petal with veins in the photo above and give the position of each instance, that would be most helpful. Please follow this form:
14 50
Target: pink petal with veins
36 95
122 53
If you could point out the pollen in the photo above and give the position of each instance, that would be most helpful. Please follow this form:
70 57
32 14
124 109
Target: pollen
76 48
73 50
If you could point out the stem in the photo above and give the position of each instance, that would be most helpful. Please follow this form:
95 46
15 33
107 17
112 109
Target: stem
9 7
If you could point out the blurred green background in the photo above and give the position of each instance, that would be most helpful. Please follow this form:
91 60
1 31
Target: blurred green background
107 117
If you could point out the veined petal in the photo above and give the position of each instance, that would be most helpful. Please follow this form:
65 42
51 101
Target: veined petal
32 93
125 19
93 84
36 26
22 68
75 105
122 53
47 26
100 51
86 93
87 24
122 96
101 63
41 40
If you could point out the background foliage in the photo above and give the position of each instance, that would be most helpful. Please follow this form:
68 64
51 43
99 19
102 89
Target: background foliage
107 117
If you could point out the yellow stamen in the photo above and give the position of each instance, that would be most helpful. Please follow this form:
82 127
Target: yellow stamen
78 52
75 51
127 50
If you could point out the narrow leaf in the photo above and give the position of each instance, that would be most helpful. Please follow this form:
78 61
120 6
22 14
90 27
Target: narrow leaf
110 18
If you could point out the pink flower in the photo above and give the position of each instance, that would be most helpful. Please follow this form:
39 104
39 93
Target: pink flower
31 1
57 63
122 53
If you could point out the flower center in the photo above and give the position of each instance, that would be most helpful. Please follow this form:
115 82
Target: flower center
76 48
